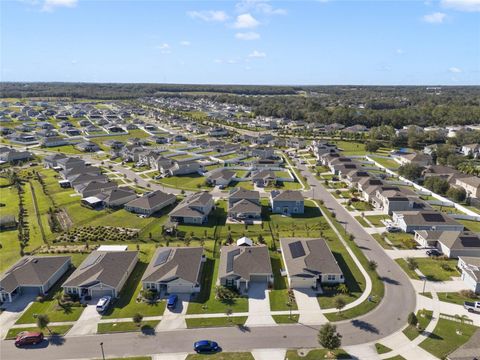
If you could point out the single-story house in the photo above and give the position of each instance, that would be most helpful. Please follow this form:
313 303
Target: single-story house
174 270
194 209
8 222
287 202
409 221
470 269
221 177
309 263
240 265
450 243
102 273
32 274
150 203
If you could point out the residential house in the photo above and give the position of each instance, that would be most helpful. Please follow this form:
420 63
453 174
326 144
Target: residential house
288 202
414 158
174 270
241 265
309 263
450 243
50 161
471 184
116 197
182 168
8 155
194 209
470 269
32 275
102 273
87 146
221 177
53 141
94 187
263 178
410 221
471 150
150 203
244 204
8 222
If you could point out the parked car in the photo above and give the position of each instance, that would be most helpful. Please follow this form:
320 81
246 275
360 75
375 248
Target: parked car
103 303
393 229
433 252
472 306
28 338
206 346
172 301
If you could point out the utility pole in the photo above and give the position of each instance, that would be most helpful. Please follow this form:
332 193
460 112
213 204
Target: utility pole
103 354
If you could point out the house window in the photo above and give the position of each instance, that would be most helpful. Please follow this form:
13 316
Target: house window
331 277
229 282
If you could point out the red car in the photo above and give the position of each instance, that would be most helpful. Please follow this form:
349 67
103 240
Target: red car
28 338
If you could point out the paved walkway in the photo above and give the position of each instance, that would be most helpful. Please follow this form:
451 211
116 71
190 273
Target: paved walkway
258 305
86 323
269 354
308 307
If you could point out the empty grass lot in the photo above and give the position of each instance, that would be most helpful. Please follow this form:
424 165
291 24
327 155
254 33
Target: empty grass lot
10 251
192 182
433 270
455 298
447 336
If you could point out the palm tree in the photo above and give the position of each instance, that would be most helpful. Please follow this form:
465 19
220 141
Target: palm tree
43 321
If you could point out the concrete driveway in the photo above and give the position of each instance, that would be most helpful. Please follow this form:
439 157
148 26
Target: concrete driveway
258 305
86 323
175 319
308 307
13 311
269 354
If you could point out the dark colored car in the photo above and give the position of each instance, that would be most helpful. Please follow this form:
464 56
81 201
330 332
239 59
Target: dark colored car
393 229
433 252
205 346
28 338
172 301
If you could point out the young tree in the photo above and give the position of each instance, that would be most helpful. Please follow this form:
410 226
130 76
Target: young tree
328 337
343 289
412 319
42 322
372 265
410 171
137 319
372 146
412 263
339 303
457 194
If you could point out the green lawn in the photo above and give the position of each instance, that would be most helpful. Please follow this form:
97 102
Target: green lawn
361 206
56 330
126 306
402 240
433 270
285 319
315 354
10 250
222 356
471 225
446 337
455 297
216 322
105 328
351 147
411 331
411 273
376 220
381 241
398 357
205 302
279 300
382 349
388 163
192 182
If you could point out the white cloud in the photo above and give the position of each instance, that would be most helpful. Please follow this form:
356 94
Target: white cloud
164 48
257 54
247 35
461 5
435 18
218 61
209 15
50 5
185 43
231 61
260 6
455 70
400 51
246 21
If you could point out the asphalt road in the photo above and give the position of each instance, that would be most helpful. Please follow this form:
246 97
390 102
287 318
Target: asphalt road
388 317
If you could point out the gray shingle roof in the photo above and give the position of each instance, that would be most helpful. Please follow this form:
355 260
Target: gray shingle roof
151 200
287 195
308 257
170 263
32 270
244 261
102 267
189 205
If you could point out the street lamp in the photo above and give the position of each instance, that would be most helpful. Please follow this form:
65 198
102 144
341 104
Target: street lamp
103 354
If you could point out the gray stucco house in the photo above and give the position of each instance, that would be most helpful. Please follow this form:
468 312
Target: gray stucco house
287 202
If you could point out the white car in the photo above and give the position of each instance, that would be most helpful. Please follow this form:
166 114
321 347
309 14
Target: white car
103 303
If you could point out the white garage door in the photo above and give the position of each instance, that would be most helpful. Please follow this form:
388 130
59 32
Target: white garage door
180 289
96 293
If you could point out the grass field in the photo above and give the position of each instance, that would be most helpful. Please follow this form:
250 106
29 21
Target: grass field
10 251
447 336
56 330
222 356
382 349
411 331
145 326
192 182
455 297
376 220
438 270
216 322
285 319
315 354
471 225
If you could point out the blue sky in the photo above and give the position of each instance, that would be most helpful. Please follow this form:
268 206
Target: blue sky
242 42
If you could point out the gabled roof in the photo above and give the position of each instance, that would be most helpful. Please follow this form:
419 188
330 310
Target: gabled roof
151 200
170 263
104 267
191 205
241 193
287 195
244 261
308 257
32 270
243 206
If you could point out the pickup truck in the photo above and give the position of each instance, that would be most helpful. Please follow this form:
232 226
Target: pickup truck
472 306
